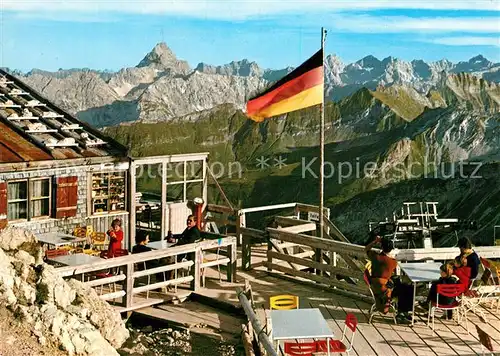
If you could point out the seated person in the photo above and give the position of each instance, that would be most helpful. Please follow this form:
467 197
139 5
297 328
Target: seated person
462 271
383 285
473 260
190 235
141 240
446 278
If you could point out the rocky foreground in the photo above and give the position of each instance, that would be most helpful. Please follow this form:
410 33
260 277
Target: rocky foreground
171 342
61 314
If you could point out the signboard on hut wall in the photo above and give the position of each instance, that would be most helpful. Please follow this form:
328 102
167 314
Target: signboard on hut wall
313 216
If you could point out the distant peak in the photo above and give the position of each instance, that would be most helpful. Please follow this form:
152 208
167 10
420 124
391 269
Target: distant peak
160 54
369 61
478 58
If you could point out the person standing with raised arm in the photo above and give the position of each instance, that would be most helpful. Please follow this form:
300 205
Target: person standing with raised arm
115 237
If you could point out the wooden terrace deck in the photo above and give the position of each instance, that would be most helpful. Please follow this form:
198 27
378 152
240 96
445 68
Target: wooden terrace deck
381 337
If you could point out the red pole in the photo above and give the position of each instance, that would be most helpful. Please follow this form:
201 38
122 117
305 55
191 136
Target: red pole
199 216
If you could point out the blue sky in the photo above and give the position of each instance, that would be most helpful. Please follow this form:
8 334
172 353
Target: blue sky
112 34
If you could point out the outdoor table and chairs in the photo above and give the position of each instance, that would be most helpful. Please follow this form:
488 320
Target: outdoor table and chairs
58 239
299 324
158 245
420 272
76 259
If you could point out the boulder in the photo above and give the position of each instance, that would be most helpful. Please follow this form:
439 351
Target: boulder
53 289
65 313
15 239
100 314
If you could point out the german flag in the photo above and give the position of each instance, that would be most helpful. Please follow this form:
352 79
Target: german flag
301 88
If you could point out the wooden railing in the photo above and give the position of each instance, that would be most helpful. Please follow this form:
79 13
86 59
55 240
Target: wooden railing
220 215
312 264
254 331
127 271
302 212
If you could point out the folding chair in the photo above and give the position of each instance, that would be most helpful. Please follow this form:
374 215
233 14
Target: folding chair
300 348
476 295
103 273
497 290
99 240
284 302
80 231
280 302
68 248
110 272
451 291
121 252
209 262
84 231
336 346
55 253
138 281
373 309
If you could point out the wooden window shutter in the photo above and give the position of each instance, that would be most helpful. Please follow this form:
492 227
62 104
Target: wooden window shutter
66 197
3 204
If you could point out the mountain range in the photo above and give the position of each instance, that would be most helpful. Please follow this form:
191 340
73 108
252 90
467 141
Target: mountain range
162 87
418 125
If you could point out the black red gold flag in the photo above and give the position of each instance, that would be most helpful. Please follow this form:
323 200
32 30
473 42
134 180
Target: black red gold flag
301 88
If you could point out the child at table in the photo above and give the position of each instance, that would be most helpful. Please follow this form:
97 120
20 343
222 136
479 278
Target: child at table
115 237
447 277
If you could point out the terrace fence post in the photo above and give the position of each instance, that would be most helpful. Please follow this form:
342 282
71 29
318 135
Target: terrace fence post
269 258
128 285
246 245
196 270
231 267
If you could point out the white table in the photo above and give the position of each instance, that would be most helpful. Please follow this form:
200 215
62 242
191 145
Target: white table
158 245
59 239
419 272
76 259
300 324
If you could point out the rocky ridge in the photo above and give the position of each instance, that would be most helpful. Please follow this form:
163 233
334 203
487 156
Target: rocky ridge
162 87
66 314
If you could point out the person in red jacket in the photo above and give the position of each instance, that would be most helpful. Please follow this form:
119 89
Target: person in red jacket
115 237
462 271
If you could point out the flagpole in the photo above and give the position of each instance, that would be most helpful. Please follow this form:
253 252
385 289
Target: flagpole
322 141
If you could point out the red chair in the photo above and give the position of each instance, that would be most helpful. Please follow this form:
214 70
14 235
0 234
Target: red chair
121 252
116 253
451 291
485 262
487 266
351 322
300 348
55 253
50 254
